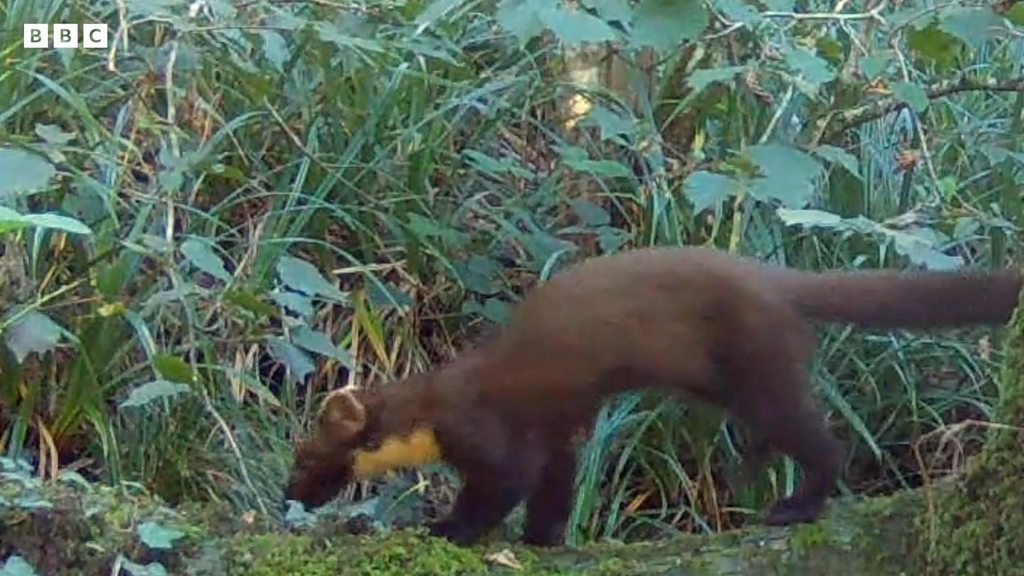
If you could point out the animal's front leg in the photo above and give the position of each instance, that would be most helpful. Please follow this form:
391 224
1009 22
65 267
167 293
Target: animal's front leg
484 502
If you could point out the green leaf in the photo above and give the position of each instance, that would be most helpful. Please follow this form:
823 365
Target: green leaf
275 49
201 254
319 342
17 566
293 301
911 93
590 213
974 25
876 64
575 158
33 332
151 391
1016 14
934 45
520 18
611 10
249 301
156 536
810 68
611 123
297 362
707 189
574 27
304 277
12 220
172 368
23 172
809 218
663 24
151 569
738 11
701 79
53 134
839 156
789 174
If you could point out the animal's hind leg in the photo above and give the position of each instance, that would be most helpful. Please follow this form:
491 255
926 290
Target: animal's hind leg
774 399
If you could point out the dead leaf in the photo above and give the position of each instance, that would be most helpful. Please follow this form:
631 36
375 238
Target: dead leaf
504 558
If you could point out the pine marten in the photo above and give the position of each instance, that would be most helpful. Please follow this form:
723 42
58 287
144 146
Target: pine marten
730 331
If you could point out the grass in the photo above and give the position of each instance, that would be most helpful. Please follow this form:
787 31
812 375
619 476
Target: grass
424 174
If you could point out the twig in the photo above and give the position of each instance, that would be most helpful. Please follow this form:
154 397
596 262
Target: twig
848 119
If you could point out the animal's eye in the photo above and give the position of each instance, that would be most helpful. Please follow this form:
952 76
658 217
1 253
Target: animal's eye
372 442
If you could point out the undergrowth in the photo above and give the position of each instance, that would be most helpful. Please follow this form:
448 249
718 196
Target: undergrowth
256 203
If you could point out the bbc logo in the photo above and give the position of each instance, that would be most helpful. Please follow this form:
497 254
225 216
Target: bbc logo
64 36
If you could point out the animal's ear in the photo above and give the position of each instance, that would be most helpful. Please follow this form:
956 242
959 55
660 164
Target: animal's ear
342 416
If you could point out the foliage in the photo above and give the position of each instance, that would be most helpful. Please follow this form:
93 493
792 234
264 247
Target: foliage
239 206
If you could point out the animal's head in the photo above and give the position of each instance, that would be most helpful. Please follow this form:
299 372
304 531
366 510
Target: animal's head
324 461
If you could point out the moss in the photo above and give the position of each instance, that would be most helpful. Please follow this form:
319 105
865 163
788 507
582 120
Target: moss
977 527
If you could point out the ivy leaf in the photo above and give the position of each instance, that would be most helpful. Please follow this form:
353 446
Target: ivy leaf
33 332
156 536
304 277
788 174
201 254
911 93
707 189
151 569
152 391
53 134
23 172
663 24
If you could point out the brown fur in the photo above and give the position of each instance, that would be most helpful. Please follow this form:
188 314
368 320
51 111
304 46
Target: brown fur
729 331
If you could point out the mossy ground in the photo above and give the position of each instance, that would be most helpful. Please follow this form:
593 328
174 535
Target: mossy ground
977 528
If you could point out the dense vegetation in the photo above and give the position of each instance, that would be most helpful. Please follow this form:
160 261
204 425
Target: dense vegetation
241 205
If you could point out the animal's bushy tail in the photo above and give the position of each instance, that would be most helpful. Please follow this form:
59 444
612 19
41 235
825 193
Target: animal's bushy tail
894 299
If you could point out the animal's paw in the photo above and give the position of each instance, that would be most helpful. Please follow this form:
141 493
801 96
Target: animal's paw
789 511
546 537
455 531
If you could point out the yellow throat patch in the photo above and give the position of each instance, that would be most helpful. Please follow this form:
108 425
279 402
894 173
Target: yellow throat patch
418 448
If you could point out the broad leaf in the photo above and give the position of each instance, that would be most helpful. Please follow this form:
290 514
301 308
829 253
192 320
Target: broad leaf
789 174
701 79
911 93
663 24
738 11
151 391
839 156
811 69
319 342
173 368
156 536
297 362
520 18
707 189
200 253
809 218
33 332
304 277
23 172
934 45
574 27
12 220
973 25
17 566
